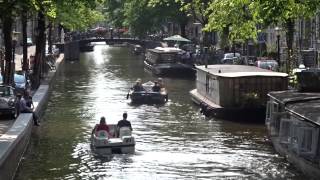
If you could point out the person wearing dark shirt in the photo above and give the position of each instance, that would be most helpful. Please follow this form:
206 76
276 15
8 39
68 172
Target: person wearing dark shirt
160 82
28 99
156 87
23 108
138 87
124 122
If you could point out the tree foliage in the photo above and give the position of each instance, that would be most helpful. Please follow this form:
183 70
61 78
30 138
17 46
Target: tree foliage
234 17
198 9
144 16
79 17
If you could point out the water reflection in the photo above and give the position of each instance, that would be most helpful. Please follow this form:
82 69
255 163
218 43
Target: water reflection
173 141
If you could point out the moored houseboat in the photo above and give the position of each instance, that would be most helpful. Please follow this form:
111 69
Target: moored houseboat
293 123
235 92
168 62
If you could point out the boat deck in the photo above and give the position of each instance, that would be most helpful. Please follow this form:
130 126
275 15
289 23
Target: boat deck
304 105
198 98
239 71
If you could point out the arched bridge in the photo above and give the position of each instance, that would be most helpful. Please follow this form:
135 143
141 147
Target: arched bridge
111 41
72 48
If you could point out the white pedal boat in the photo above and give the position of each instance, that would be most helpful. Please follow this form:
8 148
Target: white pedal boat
101 143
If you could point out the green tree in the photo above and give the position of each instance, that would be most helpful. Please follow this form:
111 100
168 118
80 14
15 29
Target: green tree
115 12
140 17
7 9
198 10
285 12
171 10
234 19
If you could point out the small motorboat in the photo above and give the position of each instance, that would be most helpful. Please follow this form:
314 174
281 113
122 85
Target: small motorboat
148 96
102 144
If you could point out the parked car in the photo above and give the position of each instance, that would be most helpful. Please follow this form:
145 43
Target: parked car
21 83
269 64
7 101
231 58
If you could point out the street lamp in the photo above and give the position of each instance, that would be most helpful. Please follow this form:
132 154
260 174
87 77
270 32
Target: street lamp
14 43
111 32
277 30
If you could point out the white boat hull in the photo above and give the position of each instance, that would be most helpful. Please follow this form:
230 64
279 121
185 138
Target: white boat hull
104 145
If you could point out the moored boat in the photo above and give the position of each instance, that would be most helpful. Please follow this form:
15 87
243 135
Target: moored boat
147 95
87 47
102 144
293 123
167 62
137 49
235 92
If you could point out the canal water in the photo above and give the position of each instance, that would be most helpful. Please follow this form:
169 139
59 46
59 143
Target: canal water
173 141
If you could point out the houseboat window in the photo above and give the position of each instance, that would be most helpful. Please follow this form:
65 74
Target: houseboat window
294 135
285 131
169 58
207 82
268 112
272 107
308 140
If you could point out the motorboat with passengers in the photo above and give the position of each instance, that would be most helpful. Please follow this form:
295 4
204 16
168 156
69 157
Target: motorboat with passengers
106 143
147 95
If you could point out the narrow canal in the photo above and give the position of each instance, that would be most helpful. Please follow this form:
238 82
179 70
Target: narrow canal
173 141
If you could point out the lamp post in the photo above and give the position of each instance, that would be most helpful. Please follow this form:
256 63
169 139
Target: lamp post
111 33
277 30
14 43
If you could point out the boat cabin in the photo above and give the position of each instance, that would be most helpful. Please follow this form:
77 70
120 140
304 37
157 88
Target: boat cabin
232 85
293 123
163 55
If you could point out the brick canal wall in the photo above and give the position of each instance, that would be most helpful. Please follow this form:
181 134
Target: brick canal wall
15 141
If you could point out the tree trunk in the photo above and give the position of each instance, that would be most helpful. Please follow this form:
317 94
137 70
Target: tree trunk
24 41
40 42
183 29
59 32
50 38
7 34
289 38
224 42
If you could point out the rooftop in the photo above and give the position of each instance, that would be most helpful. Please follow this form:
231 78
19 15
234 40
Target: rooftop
165 50
239 71
305 105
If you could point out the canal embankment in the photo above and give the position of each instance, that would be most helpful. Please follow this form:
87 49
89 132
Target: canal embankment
14 142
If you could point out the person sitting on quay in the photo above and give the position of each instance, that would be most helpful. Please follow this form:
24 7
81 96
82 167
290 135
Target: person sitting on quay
138 87
156 87
102 126
28 99
23 108
123 123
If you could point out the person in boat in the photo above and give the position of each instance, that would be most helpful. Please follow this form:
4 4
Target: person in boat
123 123
138 86
161 84
156 87
102 126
